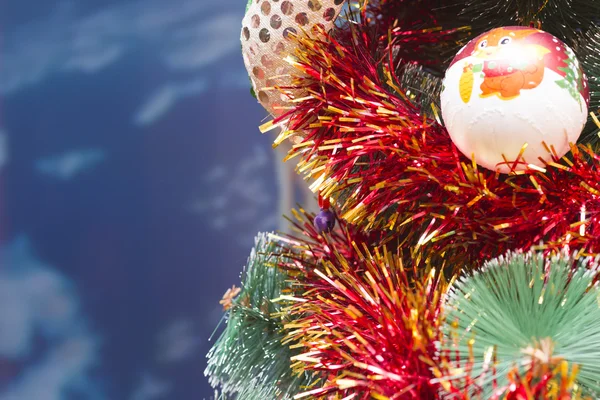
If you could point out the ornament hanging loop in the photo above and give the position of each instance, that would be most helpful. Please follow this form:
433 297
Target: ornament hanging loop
537 24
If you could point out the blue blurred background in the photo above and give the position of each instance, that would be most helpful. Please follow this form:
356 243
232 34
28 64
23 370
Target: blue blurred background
133 179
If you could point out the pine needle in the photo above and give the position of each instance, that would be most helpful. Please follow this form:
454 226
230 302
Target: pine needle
249 360
517 302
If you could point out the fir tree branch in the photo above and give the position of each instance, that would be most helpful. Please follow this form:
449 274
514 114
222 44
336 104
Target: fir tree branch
587 49
249 360
519 305
422 87
562 18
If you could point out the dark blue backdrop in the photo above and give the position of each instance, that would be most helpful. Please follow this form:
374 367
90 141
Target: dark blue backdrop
133 179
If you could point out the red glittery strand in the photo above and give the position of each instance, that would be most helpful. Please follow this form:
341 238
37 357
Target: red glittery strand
533 387
387 165
364 322
413 29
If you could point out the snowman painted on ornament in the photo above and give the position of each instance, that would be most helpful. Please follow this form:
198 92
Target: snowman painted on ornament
513 98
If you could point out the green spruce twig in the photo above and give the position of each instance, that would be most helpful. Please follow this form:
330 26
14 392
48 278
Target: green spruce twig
561 18
587 47
517 302
249 360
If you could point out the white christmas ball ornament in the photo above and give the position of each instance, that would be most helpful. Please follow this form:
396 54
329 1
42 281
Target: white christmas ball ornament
513 86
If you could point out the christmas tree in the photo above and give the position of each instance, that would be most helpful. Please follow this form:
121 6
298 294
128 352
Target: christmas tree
452 146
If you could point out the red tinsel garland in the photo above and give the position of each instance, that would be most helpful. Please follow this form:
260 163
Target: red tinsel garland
369 326
369 147
411 27
362 322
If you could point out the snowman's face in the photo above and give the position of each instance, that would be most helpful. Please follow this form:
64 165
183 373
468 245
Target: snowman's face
500 43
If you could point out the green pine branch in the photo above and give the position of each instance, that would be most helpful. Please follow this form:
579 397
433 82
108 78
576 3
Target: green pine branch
586 48
249 361
517 302
421 86
561 18
588 52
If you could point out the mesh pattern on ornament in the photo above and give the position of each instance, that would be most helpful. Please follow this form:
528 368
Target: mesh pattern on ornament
266 29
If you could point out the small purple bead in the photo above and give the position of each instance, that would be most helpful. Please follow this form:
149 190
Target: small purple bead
324 221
